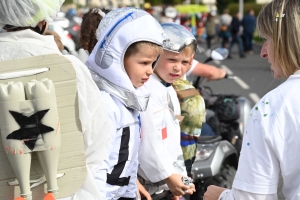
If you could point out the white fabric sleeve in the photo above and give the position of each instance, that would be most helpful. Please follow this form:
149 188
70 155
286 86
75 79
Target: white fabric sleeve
100 173
154 159
95 125
93 116
259 168
194 64
236 194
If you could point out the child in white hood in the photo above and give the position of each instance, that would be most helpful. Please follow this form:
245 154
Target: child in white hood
120 63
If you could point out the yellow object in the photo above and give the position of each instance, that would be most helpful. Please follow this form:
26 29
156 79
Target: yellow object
147 5
191 9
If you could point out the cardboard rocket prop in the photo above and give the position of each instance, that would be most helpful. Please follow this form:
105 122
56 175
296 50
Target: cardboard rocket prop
42 148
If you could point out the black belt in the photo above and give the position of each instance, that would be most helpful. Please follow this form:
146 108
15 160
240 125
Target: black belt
125 198
165 195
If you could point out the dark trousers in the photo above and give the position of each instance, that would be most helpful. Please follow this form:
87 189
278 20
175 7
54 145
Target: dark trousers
236 39
225 41
208 40
248 37
188 165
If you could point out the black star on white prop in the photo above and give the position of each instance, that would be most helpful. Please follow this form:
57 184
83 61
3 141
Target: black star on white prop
30 127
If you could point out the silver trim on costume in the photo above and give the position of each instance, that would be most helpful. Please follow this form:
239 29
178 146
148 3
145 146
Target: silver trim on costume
128 98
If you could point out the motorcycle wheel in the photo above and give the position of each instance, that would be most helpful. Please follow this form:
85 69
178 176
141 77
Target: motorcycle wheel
223 179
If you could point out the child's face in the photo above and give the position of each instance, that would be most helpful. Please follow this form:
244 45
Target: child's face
139 65
171 66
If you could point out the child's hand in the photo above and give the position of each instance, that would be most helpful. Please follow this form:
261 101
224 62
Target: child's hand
177 187
142 191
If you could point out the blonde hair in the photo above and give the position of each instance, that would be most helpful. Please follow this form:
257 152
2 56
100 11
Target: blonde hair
189 49
136 47
280 21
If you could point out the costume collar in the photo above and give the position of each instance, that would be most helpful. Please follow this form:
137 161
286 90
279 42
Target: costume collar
161 81
127 97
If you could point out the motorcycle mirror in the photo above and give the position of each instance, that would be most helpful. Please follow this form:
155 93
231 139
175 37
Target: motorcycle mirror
219 53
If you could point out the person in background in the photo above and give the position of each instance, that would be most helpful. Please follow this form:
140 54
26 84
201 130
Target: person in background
89 25
225 21
236 35
271 137
209 72
248 24
210 26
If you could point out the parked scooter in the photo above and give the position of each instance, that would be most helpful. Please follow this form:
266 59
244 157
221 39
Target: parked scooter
217 156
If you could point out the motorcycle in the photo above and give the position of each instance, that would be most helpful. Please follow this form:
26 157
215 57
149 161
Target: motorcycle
217 156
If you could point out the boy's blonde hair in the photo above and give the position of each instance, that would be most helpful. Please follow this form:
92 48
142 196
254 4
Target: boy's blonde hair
136 47
280 21
190 49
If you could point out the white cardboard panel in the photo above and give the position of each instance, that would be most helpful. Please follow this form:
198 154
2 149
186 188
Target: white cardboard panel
72 159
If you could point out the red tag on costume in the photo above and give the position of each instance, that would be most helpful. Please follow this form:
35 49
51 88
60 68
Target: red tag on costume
164 133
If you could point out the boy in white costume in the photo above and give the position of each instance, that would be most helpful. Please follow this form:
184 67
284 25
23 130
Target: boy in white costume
120 63
23 38
271 138
161 159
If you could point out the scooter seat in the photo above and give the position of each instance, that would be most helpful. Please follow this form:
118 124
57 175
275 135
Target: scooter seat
209 139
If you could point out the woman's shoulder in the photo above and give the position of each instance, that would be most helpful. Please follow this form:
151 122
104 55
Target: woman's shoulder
277 104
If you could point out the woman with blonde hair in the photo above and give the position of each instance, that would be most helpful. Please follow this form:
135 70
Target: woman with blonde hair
272 136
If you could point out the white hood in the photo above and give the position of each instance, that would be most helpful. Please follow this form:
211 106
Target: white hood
117 31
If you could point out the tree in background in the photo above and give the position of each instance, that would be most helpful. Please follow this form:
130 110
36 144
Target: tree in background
222 4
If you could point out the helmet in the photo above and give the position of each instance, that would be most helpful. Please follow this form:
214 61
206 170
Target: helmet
179 37
71 13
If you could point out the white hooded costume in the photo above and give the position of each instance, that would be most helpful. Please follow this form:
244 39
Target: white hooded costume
120 28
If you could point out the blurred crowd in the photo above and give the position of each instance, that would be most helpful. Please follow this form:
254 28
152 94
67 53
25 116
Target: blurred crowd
209 28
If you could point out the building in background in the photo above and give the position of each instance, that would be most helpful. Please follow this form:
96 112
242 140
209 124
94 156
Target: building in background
110 4
263 1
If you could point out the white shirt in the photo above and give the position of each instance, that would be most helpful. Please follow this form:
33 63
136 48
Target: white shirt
160 137
92 114
271 144
225 19
188 75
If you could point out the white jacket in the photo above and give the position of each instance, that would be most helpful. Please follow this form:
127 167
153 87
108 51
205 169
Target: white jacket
160 153
93 116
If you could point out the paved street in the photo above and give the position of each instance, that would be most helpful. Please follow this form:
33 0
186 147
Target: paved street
254 80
